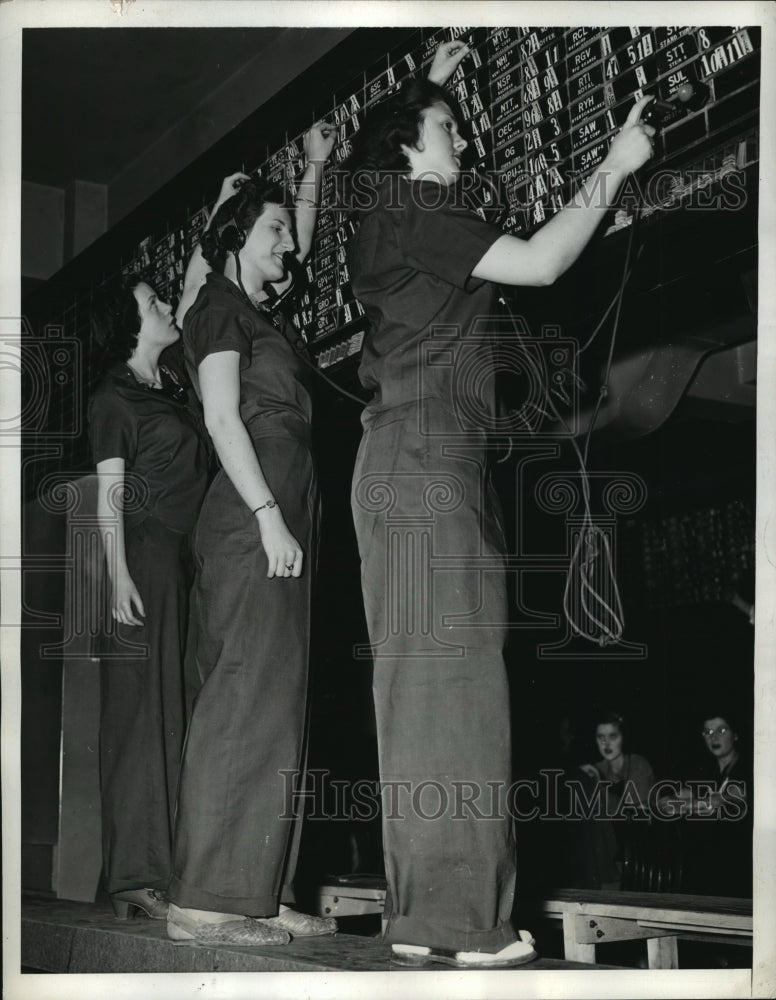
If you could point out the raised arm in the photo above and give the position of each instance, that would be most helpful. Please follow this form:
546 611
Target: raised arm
541 259
318 144
446 59
126 603
219 380
197 267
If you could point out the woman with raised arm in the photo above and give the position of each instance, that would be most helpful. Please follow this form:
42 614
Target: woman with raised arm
237 829
149 446
426 270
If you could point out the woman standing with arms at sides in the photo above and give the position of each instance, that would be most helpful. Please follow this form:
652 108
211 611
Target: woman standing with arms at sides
236 837
151 458
424 266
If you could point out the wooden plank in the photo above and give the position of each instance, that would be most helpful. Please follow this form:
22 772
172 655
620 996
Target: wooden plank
602 930
662 953
573 950
743 930
664 900
691 917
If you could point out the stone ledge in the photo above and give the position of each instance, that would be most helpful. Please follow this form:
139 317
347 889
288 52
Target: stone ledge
64 937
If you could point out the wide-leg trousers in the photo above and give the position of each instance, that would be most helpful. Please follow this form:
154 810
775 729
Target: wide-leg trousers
142 720
237 825
431 541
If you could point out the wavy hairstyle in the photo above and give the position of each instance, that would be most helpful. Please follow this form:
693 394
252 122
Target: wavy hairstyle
396 122
115 317
241 210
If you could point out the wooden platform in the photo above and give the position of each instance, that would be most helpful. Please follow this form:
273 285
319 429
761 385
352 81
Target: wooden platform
595 917
59 937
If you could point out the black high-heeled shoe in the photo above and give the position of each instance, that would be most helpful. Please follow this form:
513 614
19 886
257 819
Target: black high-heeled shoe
151 901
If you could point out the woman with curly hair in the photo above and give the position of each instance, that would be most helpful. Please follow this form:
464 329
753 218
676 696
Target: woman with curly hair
426 269
237 832
152 465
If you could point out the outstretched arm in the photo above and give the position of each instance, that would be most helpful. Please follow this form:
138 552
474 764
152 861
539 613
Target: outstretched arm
548 253
197 267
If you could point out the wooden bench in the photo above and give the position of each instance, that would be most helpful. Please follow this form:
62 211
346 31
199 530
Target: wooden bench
592 917
351 895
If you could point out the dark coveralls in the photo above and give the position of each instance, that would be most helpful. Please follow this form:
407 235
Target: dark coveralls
421 492
236 835
142 715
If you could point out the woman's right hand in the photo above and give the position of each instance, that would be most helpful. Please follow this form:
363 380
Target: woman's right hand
126 602
446 59
284 553
632 146
318 142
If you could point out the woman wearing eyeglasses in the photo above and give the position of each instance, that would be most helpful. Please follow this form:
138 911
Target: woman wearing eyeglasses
718 843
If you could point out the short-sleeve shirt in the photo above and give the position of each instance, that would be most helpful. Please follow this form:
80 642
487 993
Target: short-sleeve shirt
410 262
162 442
274 383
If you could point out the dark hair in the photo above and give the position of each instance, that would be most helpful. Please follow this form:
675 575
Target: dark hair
394 123
716 711
115 317
241 210
610 718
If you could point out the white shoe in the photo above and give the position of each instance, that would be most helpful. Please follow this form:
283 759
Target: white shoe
517 953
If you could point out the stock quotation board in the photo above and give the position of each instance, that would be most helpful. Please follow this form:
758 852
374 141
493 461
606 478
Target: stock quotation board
540 107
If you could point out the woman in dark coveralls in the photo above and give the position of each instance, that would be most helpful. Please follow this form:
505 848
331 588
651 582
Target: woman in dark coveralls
236 838
149 448
426 267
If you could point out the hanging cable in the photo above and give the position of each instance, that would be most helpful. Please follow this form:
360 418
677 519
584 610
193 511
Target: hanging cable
602 621
298 346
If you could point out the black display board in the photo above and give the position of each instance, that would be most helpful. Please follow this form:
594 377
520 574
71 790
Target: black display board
540 106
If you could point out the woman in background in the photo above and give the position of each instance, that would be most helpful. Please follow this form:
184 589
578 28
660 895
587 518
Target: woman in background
718 838
149 447
627 779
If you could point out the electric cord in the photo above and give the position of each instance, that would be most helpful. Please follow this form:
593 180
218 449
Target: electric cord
298 345
601 622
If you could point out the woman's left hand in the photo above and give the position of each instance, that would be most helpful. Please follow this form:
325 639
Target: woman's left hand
230 186
446 60
319 142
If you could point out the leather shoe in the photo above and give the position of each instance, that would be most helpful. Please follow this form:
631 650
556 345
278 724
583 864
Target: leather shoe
301 925
151 901
244 931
